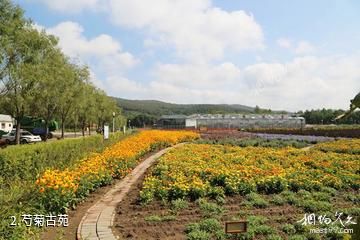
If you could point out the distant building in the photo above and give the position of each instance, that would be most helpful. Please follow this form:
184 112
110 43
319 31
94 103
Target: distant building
231 121
6 123
171 121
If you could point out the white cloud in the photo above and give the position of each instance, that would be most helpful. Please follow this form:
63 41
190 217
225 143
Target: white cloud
103 53
303 83
284 43
304 47
199 31
297 47
71 6
202 76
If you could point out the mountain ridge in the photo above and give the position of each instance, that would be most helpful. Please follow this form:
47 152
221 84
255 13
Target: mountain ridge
157 108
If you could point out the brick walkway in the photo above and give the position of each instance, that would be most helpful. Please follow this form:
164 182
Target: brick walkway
97 221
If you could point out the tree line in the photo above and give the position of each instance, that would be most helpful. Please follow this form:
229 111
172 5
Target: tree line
327 116
38 79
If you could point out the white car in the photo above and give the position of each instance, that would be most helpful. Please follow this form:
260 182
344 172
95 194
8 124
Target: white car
25 137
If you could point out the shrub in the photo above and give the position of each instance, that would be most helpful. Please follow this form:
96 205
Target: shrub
321 196
288 229
210 225
297 237
209 209
264 230
256 200
312 206
198 235
157 218
274 237
271 185
278 200
178 204
206 229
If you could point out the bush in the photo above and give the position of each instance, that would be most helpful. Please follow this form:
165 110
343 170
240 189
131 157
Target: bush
209 209
198 235
263 230
211 228
178 204
27 162
21 165
272 185
256 200
312 206
274 237
288 229
157 218
278 200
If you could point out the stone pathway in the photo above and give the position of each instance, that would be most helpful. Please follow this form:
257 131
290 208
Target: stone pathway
97 221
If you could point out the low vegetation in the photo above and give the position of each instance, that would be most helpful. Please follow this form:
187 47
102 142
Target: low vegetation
257 142
266 180
56 188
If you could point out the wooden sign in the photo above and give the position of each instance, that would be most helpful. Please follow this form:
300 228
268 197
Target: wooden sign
236 227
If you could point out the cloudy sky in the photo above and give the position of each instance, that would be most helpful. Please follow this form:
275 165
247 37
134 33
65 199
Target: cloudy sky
277 54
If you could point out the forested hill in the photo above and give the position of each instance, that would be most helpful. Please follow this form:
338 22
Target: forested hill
157 108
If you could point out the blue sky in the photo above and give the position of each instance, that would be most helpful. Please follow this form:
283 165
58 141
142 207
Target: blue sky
277 54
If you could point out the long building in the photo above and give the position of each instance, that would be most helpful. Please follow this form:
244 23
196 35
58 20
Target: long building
231 121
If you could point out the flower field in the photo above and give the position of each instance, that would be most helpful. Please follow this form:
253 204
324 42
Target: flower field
341 146
61 189
200 170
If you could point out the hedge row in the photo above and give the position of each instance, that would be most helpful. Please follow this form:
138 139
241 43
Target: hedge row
21 165
26 162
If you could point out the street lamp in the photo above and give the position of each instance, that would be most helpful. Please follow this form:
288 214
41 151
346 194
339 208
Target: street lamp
113 121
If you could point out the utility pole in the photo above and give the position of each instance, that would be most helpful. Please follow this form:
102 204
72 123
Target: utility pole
113 122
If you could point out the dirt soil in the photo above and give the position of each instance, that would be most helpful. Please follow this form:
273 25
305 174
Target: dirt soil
75 216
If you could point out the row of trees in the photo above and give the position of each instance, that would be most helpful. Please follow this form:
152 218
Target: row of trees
37 79
327 116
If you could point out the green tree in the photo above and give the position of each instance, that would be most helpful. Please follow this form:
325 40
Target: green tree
74 79
22 49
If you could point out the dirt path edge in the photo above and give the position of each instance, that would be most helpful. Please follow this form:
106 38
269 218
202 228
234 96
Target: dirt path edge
97 222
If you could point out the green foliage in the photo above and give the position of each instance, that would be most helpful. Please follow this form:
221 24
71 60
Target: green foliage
274 237
256 142
198 235
154 108
27 162
178 205
312 206
297 237
327 116
355 198
157 218
272 185
21 165
288 229
256 200
278 200
209 209
209 228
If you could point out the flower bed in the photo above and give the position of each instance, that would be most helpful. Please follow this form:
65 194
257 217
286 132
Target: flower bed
61 189
351 146
200 170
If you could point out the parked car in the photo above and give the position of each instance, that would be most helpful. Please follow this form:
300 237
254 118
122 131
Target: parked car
25 137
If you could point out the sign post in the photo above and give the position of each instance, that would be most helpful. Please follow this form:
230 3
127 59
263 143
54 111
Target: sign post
106 132
236 227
